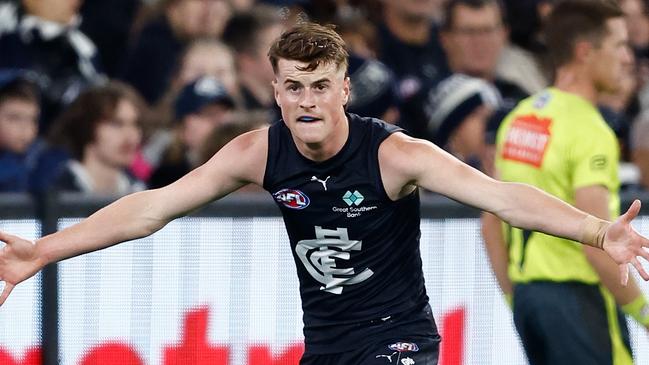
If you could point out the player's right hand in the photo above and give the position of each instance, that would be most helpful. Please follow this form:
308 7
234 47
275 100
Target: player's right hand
19 261
624 244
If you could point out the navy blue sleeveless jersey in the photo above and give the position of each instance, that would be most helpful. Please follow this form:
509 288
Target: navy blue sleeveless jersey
356 250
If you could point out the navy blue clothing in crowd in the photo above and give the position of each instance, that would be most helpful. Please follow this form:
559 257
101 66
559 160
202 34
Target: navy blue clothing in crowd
33 171
151 62
413 65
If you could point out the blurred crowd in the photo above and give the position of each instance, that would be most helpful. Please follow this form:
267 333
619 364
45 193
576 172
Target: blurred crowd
111 97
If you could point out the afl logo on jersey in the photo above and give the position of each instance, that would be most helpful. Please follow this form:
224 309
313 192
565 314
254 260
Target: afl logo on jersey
291 198
404 347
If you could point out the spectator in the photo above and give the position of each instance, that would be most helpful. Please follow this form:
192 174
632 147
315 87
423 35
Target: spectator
203 57
101 129
359 34
154 56
43 36
19 108
457 112
200 108
409 44
636 14
640 147
473 35
522 61
621 106
617 108
250 36
374 86
630 103
373 90
238 123
109 25
319 11
207 57
242 5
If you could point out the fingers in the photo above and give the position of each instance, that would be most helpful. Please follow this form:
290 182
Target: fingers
5 293
644 253
5 237
640 269
633 211
645 242
624 274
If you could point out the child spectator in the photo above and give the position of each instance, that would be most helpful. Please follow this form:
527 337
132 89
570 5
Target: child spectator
201 106
19 110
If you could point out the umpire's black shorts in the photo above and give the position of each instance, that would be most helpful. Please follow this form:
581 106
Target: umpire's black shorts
570 323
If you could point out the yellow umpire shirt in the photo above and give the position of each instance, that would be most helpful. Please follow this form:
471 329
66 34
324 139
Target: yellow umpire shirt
558 142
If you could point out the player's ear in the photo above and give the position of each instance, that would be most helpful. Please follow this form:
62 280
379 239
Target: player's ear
276 92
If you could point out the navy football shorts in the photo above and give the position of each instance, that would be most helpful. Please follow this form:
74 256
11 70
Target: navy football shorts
405 351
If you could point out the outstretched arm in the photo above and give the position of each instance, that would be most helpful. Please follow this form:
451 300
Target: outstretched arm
407 161
137 215
492 235
496 248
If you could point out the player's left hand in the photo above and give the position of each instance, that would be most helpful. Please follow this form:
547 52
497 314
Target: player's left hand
624 244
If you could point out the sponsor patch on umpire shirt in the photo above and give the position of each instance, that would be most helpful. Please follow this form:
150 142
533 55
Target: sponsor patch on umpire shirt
598 162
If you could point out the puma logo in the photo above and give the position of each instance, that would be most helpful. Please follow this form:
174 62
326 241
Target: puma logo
323 182
389 357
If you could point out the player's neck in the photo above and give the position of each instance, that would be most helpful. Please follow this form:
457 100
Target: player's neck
575 81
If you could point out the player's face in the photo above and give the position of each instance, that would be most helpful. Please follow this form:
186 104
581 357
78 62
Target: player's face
312 102
612 61
117 139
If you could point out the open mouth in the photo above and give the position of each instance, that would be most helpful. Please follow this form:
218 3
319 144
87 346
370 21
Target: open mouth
308 119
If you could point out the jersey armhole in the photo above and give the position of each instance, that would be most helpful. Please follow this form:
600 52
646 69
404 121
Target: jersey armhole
378 175
273 140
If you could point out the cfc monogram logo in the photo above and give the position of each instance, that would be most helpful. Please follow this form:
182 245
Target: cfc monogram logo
319 258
